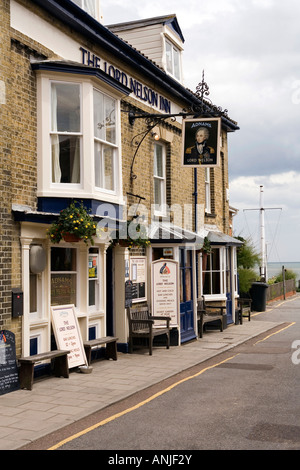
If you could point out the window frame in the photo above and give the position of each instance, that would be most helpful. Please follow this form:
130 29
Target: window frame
84 6
75 272
173 48
221 295
67 133
87 188
160 209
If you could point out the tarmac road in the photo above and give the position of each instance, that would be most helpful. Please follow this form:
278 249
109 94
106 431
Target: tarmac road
247 402
246 397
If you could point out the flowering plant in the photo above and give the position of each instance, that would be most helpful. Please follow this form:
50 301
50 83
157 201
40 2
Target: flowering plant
73 220
136 235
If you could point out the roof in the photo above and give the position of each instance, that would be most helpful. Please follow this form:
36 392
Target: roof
162 232
219 238
73 16
170 20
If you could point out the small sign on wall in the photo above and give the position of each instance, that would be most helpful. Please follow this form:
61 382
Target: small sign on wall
67 334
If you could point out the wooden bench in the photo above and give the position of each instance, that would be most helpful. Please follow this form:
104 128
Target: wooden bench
59 362
141 325
110 350
207 314
243 310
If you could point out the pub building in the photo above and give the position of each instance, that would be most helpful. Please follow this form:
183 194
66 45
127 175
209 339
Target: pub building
90 117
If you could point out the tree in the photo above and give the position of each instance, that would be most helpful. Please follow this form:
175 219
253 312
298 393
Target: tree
247 260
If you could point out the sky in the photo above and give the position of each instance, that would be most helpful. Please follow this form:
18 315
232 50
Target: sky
250 53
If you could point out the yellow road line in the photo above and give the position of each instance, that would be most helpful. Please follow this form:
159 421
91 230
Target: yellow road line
135 407
276 332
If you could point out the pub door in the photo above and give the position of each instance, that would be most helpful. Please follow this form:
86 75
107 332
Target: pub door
187 330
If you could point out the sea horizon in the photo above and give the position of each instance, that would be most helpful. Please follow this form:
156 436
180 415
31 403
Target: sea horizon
275 267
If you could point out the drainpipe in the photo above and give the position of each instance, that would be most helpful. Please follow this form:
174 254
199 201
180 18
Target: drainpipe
195 194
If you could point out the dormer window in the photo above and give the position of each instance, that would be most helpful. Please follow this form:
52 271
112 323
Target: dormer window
173 60
92 7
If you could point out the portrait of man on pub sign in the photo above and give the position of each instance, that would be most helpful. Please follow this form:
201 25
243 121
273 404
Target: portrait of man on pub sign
201 142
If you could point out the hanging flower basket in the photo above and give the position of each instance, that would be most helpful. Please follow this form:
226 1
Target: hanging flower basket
136 236
73 224
71 238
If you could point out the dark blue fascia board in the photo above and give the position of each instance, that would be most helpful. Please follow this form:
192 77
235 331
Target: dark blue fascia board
73 16
66 67
49 208
96 207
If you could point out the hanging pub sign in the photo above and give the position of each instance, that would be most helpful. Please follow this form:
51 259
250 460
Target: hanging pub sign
165 290
201 142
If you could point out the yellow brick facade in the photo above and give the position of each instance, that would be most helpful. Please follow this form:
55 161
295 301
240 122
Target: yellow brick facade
19 169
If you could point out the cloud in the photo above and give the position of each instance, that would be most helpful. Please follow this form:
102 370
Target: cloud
250 52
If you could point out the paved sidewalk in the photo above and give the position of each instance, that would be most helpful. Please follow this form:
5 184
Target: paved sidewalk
56 402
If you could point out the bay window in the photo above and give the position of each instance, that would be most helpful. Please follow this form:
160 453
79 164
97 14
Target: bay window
78 139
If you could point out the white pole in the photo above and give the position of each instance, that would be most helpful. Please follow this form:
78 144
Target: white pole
262 236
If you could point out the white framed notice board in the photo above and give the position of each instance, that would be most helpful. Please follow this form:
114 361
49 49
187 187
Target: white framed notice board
67 334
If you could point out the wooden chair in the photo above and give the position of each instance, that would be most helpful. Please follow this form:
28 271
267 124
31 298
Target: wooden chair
244 309
207 314
141 325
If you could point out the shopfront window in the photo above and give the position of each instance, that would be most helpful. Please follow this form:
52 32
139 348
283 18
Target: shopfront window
93 279
63 276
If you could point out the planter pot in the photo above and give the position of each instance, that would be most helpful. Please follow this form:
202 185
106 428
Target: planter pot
71 238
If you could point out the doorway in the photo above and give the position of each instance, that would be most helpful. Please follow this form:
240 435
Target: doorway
187 330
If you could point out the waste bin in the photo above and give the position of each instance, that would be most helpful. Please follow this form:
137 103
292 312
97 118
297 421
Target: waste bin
258 294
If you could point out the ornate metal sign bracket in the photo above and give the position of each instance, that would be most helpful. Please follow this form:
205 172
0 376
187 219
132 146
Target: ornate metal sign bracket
203 108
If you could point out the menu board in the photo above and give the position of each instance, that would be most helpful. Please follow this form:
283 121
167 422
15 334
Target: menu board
67 334
138 274
9 379
165 292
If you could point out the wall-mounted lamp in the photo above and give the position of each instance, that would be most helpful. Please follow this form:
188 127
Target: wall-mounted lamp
155 135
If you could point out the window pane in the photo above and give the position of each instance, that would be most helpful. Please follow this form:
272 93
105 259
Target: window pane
176 63
158 161
90 7
65 159
98 149
92 293
63 259
33 292
65 101
63 283
169 57
108 155
63 289
104 117
110 120
99 124
157 192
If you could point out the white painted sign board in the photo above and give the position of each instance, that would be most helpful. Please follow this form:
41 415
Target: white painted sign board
67 334
165 289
